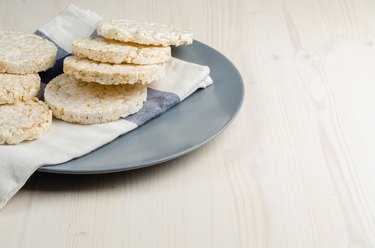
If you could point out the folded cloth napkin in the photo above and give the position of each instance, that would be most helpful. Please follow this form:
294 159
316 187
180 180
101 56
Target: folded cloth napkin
66 141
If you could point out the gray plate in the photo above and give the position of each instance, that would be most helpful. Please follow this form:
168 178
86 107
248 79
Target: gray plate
180 130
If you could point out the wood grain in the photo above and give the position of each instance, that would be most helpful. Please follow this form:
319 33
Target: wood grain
295 169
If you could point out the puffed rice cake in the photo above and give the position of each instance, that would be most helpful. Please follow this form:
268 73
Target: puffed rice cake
143 33
15 88
76 101
24 121
23 53
117 52
112 74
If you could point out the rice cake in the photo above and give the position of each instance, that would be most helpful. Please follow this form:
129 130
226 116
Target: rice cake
112 74
117 52
24 121
76 101
23 53
15 88
144 33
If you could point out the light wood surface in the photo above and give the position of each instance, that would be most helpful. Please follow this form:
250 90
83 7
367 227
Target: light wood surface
295 169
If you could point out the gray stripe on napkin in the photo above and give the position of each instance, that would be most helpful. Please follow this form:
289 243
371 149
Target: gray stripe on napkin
95 34
157 103
57 69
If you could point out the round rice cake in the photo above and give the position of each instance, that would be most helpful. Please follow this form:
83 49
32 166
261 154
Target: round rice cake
76 101
112 74
144 33
117 52
24 121
23 53
15 88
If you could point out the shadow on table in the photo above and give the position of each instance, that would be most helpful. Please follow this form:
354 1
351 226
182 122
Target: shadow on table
45 182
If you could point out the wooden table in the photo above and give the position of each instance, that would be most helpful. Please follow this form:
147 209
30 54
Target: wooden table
295 169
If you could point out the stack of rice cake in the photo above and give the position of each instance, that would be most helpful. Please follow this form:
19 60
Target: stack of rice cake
107 77
22 115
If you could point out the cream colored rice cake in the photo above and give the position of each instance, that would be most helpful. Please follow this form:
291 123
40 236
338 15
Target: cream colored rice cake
112 74
24 121
23 53
76 101
144 33
117 52
15 88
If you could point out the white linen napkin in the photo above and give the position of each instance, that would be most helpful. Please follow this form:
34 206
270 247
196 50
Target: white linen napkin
66 141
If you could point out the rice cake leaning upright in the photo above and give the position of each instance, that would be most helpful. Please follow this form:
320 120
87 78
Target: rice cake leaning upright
76 101
144 33
24 121
22 53
112 74
117 52
15 88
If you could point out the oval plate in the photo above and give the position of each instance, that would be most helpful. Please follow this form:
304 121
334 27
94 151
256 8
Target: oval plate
180 130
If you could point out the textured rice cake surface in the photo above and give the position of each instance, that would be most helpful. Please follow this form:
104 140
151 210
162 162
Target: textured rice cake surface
15 88
24 121
144 33
112 51
112 74
76 101
22 53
